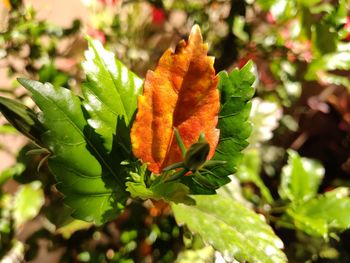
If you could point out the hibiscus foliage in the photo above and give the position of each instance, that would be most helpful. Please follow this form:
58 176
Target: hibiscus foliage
182 141
176 136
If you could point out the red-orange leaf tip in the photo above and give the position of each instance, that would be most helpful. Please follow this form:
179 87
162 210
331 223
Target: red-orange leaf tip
180 93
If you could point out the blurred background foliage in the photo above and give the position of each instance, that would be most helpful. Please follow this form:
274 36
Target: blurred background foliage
301 49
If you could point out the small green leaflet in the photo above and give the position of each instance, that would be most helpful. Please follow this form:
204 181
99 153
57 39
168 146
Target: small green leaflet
322 215
301 178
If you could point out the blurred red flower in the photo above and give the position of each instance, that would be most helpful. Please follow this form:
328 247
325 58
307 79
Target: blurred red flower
158 15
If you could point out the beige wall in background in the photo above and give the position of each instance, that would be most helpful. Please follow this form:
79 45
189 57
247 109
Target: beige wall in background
61 12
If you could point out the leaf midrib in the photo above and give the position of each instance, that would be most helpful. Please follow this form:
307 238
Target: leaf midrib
114 82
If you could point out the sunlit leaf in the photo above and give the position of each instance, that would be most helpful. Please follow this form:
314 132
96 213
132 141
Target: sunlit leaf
333 61
7 129
67 230
301 178
231 228
92 183
27 203
110 92
181 93
203 255
322 215
169 191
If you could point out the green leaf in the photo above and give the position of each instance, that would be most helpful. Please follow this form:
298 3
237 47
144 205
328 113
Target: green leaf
10 172
333 61
168 191
249 171
7 129
27 202
301 178
49 73
308 3
22 118
336 79
203 255
231 228
238 28
322 215
324 38
110 92
236 92
67 230
93 184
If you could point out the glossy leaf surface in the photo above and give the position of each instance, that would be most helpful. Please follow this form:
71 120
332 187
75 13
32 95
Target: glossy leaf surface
181 93
231 228
86 176
110 92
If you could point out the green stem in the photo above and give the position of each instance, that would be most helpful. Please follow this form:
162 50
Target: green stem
180 142
177 175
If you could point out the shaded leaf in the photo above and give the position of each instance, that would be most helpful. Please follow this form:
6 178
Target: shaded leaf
22 118
324 38
249 171
92 183
110 91
322 215
300 178
231 228
181 93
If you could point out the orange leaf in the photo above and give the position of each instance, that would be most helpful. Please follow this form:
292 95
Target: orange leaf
180 93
